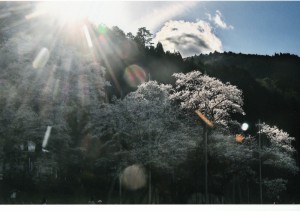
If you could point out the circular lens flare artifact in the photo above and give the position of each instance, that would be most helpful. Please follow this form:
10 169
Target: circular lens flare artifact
239 138
245 126
134 75
102 29
133 177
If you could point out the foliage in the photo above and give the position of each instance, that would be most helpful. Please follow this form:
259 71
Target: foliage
277 155
274 187
143 37
277 137
143 122
215 99
279 152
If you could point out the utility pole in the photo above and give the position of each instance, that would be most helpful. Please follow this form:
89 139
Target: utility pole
207 123
205 161
260 177
120 189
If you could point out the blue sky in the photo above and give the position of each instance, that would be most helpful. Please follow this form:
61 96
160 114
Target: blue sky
260 27
257 27
202 27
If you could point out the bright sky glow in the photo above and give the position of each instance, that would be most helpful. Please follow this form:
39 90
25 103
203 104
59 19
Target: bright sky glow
110 13
64 11
239 26
246 27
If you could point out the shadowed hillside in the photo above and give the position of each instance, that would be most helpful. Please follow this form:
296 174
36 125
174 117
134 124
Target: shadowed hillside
270 84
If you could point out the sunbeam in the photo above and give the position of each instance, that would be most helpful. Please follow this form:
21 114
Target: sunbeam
46 137
87 36
41 59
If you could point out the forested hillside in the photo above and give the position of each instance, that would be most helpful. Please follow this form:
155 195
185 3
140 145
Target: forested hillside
91 112
270 84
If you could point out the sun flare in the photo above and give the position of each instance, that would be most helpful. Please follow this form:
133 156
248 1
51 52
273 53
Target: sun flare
107 13
65 12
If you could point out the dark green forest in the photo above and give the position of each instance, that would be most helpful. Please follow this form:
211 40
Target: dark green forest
120 130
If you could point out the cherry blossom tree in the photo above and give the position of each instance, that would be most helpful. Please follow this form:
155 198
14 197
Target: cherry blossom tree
277 149
209 96
278 138
216 100
277 156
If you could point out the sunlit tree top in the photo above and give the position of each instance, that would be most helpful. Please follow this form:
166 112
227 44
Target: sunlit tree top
197 91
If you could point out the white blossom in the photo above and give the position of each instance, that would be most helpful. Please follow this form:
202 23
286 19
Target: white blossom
278 137
209 95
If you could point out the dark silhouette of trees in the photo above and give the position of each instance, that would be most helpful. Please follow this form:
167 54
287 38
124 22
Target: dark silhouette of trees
159 50
143 37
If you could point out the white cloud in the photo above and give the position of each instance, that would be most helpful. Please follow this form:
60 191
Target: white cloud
188 38
130 16
157 15
209 16
218 20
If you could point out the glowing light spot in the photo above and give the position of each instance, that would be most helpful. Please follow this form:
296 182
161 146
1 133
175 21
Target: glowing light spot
245 126
133 177
87 36
46 137
46 151
239 138
204 118
31 146
134 75
41 59
102 29
65 12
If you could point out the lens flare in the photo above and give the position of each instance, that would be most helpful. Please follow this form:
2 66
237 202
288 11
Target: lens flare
87 36
65 12
102 29
204 118
239 138
41 59
46 137
245 126
133 177
134 75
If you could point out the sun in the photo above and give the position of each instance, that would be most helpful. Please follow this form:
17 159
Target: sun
108 13
64 12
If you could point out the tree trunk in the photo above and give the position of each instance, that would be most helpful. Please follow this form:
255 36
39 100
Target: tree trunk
149 186
240 191
156 196
233 190
248 192
111 189
120 190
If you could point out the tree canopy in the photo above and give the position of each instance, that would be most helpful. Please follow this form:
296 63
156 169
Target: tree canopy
216 100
